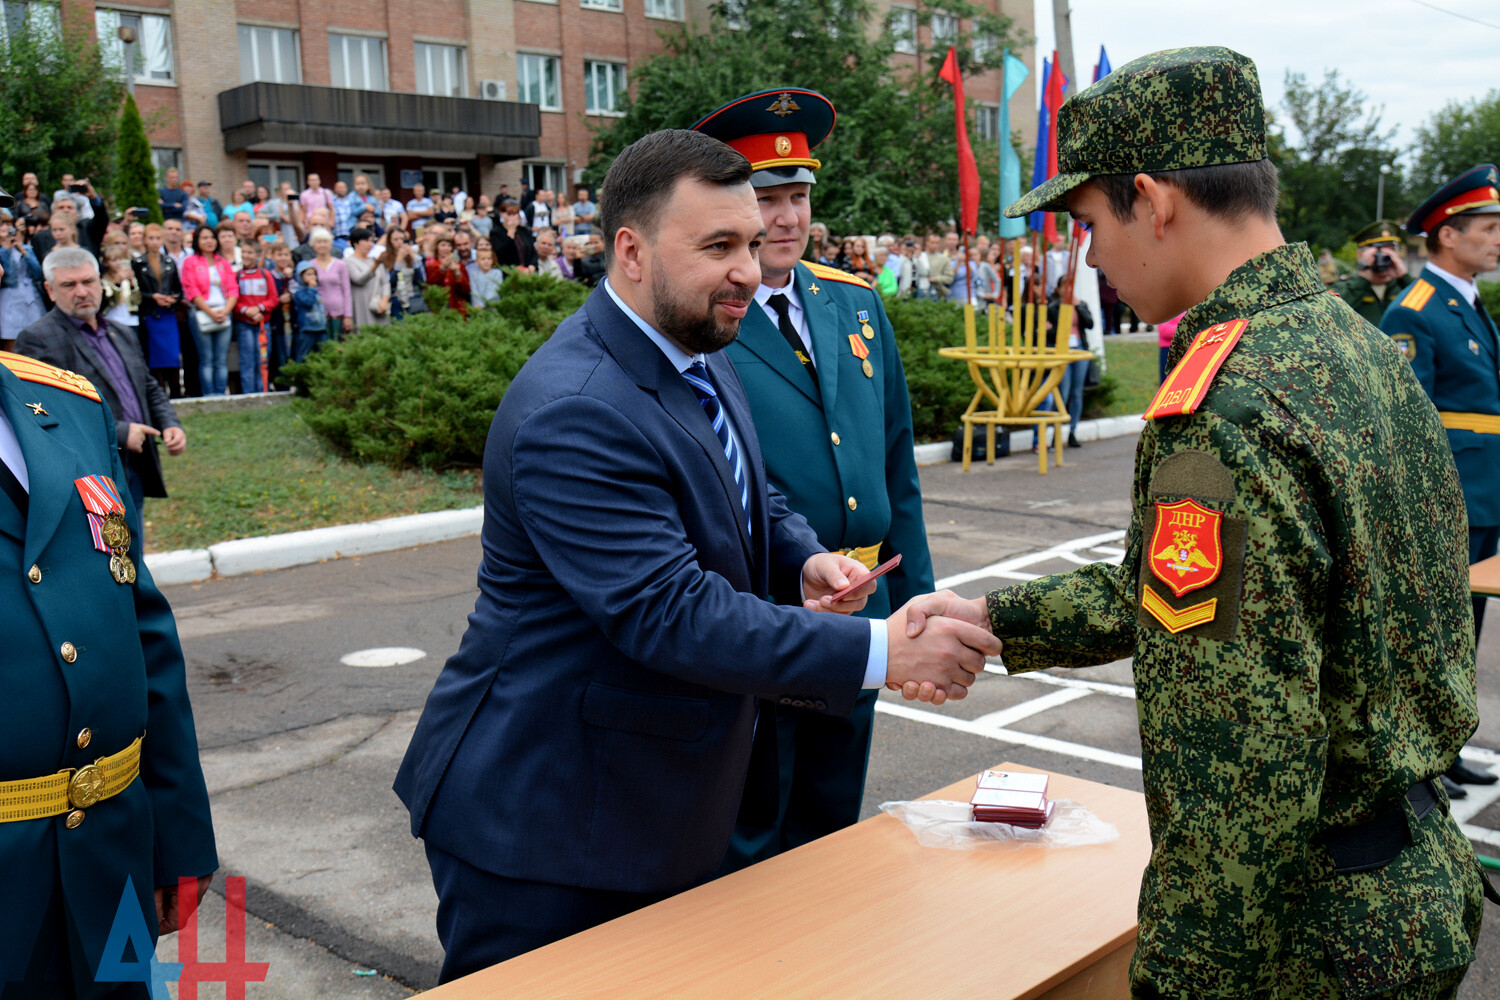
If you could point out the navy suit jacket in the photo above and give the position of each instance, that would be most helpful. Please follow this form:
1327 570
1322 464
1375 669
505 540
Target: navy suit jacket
594 728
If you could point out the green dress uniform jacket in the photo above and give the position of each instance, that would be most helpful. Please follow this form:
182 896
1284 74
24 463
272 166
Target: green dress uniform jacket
841 452
1356 290
1455 353
1334 670
83 653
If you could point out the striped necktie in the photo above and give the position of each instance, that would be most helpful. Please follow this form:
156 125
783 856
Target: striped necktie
697 377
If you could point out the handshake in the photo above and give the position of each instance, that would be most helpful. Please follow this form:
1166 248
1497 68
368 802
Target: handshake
937 643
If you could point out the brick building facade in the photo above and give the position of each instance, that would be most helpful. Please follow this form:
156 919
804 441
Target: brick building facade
474 92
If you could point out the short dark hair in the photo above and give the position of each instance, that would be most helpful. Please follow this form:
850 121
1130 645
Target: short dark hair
360 233
643 176
1460 224
1229 190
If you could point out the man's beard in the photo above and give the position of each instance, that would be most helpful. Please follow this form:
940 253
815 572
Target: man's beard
701 333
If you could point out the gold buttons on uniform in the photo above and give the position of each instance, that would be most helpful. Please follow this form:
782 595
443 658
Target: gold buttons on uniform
34 575
85 737
835 437
853 503
70 652
74 820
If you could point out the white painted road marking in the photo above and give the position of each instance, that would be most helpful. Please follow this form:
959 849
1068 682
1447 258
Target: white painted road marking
1012 569
385 656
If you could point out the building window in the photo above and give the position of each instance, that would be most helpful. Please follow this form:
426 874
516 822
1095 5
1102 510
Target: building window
274 173
357 62
538 79
149 57
944 30
989 121
440 70
165 159
543 176
904 29
604 88
374 173
19 15
601 4
442 180
670 10
269 54
984 47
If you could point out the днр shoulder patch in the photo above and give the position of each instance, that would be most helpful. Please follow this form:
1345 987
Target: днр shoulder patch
1189 382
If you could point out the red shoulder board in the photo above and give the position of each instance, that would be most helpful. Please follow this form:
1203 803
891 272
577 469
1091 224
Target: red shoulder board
834 274
1188 383
32 370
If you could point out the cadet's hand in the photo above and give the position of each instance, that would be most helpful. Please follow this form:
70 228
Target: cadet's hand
826 574
136 439
938 664
167 911
949 605
175 438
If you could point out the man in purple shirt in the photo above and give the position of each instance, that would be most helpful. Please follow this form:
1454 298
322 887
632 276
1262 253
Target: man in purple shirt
73 336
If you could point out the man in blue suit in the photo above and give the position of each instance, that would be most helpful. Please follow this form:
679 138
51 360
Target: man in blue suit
584 752
1441 326
827 390
100 784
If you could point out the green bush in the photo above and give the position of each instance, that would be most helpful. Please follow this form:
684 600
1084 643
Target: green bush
423 391
1489 294
940 388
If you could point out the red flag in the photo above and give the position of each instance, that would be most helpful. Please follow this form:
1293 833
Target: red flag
1053 98
968 170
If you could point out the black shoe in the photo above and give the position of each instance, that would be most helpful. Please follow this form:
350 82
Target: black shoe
1466 775
1454 791
1073 441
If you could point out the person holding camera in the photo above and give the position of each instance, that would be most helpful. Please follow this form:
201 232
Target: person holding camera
1382 271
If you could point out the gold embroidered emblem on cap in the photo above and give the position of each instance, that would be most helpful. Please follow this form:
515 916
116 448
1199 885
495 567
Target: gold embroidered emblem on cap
783 146
783 106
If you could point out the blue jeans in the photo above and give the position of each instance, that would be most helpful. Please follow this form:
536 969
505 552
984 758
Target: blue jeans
213 360
307 341
1072 391
248 338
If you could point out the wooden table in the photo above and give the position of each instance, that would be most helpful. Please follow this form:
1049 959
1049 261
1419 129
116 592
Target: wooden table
1484 577
867 912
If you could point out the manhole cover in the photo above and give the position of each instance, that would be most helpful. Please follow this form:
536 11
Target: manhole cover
385 656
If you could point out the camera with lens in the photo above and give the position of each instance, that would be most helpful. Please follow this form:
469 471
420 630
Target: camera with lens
1381 262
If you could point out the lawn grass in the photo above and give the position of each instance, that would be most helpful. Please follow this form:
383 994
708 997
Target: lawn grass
261 472
1134 366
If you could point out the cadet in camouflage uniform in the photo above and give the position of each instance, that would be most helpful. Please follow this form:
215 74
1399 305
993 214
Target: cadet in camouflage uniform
1293 591
1374 287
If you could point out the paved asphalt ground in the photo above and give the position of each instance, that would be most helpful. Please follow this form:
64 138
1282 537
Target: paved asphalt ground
300 748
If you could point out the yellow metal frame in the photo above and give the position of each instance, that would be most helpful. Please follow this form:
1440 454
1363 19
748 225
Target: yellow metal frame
1014 372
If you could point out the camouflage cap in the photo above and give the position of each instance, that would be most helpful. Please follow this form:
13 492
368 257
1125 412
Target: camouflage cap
1170 110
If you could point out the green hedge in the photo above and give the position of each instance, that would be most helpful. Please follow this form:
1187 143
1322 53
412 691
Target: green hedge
422 392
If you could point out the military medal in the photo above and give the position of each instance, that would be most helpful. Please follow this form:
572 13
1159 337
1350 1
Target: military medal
107 527
859 350
864 325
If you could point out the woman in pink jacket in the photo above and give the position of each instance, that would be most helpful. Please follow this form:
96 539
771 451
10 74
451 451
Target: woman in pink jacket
1164 333
333 283
209 284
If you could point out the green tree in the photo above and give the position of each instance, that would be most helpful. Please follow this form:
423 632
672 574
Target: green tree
891 160
1455 138
59 103
1331 172
135 178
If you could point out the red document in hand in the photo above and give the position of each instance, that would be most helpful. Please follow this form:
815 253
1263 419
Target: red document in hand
875 574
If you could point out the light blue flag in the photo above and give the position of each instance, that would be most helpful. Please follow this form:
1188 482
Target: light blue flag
1010 164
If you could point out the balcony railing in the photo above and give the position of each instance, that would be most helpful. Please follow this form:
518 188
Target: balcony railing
299 116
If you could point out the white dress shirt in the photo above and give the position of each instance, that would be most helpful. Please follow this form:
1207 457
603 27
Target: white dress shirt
10 452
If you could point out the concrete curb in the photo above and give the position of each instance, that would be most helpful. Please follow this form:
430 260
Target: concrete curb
298 548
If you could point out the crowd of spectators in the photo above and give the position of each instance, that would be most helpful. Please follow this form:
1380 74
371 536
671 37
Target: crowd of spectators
222 294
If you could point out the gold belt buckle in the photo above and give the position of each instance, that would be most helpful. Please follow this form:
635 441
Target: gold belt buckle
86 787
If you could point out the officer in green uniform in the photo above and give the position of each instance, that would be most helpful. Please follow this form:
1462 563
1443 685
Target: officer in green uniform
99 775
1293 588
819 363
1381 274
1441 326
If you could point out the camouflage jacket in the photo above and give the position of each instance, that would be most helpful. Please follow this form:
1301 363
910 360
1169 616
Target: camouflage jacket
1356 290
1323 658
